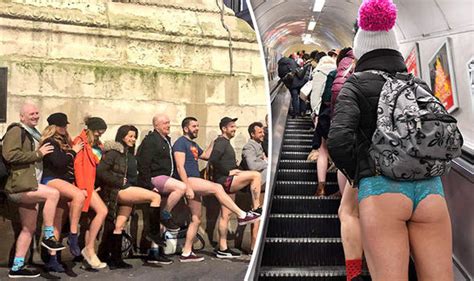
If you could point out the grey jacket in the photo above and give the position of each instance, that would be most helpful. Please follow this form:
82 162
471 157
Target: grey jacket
252 157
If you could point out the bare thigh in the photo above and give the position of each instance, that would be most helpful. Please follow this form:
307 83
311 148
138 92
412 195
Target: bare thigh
135 195
243 179
39 195
66 189
172 185
385 235
204 187
430 239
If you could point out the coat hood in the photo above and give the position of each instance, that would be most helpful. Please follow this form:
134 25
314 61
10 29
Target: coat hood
113 145
326 64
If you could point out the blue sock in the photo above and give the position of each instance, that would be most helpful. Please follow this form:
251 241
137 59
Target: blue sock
48 231
165 215
155 250
18 262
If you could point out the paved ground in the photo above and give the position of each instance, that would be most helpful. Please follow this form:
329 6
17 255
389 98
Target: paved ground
210 269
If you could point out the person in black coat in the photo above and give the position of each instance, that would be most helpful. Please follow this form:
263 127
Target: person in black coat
396 217
58 172
117 177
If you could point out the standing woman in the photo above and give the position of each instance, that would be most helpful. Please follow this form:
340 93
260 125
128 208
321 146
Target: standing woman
58 172
85 165
396 217
117 174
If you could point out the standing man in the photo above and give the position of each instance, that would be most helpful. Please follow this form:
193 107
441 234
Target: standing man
24 156
226 173
155 170
186 153
254 159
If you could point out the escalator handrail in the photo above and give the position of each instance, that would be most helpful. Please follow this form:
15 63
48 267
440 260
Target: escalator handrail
275 90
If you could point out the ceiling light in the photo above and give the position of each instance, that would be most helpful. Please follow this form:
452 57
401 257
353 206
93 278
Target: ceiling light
318 5
311 25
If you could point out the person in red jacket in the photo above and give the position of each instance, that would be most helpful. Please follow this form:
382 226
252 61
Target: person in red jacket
85 165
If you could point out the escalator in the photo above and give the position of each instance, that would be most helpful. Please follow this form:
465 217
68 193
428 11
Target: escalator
303 232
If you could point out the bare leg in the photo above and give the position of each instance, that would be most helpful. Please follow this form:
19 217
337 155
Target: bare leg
75 196
223 226
124 212
430 239
195 208
28 215
204 187
350 226
341 181
322 163
254 228
100 213
383 221
176 190
244 178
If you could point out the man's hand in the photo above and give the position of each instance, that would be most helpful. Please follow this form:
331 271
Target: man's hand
46 148
189 193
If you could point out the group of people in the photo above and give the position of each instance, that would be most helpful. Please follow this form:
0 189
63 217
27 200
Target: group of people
72 177
382 218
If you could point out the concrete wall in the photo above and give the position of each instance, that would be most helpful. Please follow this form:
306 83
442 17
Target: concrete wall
127 60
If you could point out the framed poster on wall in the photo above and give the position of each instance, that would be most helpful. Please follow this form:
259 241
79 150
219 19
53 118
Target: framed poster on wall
442 76
412 61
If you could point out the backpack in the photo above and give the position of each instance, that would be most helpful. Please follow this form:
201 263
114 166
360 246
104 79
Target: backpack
4 167
415 137
284 71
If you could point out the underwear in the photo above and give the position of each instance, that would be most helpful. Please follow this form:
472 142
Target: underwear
159 183
227 184
45 180
416 191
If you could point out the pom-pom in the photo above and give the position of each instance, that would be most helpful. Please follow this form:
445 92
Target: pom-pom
377 15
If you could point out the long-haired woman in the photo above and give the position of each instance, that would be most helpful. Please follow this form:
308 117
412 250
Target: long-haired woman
85 165
58 172
117 173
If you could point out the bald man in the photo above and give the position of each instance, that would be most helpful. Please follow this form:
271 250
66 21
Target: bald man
155 171
24 156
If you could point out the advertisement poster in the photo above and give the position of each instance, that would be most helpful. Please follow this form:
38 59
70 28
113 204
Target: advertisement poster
441 76
412 62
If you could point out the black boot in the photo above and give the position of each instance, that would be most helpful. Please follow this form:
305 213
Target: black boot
116 261
154 227
103 252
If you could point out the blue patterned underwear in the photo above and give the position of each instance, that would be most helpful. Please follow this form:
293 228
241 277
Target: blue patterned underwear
415 190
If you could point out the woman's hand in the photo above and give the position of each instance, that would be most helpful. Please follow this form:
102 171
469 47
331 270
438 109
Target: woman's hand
78 147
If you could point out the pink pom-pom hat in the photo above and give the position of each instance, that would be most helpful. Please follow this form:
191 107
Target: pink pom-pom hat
376 21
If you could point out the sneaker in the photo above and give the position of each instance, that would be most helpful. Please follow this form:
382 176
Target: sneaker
155 258
52 244
24 272
227 254
191 258
73 243
170 225
250 217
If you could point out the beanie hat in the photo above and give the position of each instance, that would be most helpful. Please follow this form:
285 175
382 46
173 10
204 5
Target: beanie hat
376 21
96 123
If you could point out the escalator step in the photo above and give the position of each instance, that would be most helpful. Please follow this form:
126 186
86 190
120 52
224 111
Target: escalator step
291 204
318 273
297 147
298 131
303 175
297 155
298 136
302 252
297 141
296 164
307 225
302 187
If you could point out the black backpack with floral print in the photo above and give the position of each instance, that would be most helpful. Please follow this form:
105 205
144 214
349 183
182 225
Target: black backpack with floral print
415 137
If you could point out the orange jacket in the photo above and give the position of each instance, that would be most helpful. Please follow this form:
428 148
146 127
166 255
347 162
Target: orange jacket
85 165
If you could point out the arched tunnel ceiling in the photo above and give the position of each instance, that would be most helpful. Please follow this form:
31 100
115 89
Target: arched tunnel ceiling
283 22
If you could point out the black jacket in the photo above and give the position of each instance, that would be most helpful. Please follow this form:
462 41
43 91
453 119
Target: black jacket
355 114
59 164
111 172
154 159
222 159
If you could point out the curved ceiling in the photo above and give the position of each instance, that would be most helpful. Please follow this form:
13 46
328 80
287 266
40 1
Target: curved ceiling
282 23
